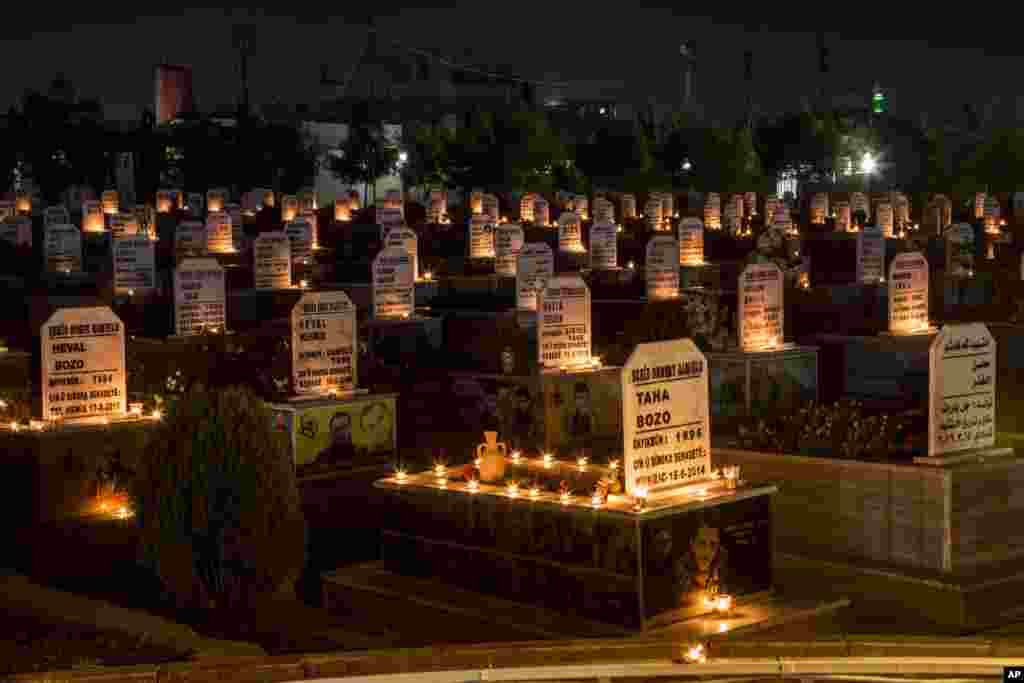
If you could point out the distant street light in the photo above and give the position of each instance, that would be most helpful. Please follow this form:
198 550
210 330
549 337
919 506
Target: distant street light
867 164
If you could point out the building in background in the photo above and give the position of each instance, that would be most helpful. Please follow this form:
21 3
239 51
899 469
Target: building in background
173 92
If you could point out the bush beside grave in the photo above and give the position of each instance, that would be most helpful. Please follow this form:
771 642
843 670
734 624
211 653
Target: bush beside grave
217 502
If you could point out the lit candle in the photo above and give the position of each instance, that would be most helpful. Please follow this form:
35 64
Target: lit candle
400 476
303 284
428 276
473 485
516 457
534 492
156 414
36 425
597 499
512 490
695 654
613 465
723 603
582 463
722 628
547 460
565 498
440 470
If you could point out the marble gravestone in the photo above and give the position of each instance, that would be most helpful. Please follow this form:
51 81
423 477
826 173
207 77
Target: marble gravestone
604 246
536 264
134 265
661 268
908 294
760 296
563 322
961 389
394 284
691 242
199 296
665 418
272 261
83 364
508 242
323 344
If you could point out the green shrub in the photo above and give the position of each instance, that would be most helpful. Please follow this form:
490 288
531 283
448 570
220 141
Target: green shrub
217 503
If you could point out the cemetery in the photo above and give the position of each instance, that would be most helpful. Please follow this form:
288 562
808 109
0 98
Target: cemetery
631 413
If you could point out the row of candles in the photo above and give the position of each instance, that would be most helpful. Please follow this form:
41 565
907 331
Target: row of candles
134 411
729 473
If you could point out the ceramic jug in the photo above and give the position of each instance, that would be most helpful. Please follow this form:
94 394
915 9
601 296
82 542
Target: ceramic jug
491 455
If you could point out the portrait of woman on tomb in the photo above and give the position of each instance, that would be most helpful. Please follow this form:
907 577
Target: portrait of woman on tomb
684 568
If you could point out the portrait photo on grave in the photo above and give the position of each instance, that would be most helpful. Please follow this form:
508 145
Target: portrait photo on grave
342 434
582 411
714 550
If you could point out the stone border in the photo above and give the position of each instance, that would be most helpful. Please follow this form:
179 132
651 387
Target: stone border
21 596
527 654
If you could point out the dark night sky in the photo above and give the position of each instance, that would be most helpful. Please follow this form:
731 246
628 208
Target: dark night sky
110 56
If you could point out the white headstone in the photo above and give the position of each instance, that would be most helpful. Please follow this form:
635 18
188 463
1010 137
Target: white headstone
604 211
199 296
300 234
582 207
323 344
343 211
653 213
83 364
388 218
563 322
190 237
604 246
216 198
491 208
219 239
750 203
536 264
885 218
870 255
901 210
842 216
979 204
394 284
908 293
481 237
541 212
526 205
110 201
16 230
992 213
92 217
570 232
665 418
476 202
123 225
134 265
819 208
691 242
945 211
63 249
508 242
761 310
628 206
307 201
668 206
272 261
859 202
961 389
771 203
405 238
661 269
165 201
234 212
960 249
289 208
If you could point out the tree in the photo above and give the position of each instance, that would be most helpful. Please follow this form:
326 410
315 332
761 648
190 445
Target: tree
996 164
365 155
429 148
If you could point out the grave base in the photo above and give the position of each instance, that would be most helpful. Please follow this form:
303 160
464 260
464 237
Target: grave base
57 473
609 565
940 538
335 437
745 384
